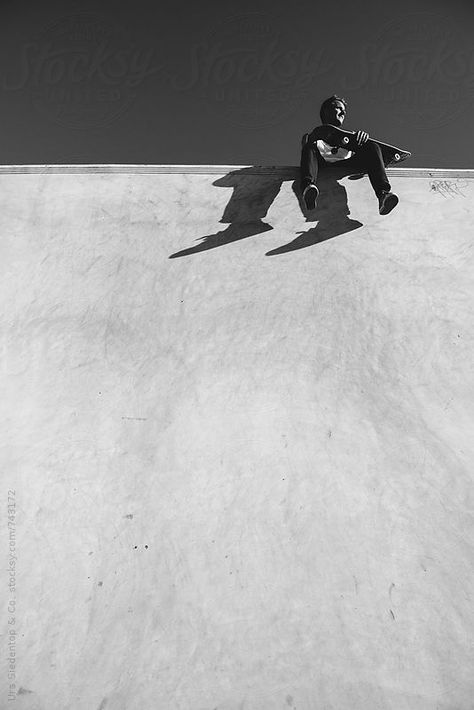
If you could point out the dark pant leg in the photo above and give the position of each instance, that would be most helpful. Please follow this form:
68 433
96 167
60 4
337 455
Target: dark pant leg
368 159
308 165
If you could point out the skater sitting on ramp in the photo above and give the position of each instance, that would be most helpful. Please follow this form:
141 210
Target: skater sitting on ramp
325 149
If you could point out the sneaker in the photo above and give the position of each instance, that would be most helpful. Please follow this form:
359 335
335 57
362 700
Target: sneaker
387 201
310 196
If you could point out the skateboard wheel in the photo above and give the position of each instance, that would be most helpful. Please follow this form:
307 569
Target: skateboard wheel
397 156
345 139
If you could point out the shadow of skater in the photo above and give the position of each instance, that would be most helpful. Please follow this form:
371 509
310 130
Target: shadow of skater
250 201
332 213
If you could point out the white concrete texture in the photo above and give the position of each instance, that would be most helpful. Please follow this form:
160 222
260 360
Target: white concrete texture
244 476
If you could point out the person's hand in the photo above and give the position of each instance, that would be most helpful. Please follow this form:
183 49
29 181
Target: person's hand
361 137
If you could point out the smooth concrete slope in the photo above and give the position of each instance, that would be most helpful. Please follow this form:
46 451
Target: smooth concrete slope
243 475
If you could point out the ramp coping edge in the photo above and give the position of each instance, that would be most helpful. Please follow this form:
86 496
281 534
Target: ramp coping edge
285 171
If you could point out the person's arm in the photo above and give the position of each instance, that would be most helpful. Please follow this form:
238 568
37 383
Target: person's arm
320 132
316 134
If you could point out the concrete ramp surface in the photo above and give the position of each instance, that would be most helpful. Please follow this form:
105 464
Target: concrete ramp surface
238 447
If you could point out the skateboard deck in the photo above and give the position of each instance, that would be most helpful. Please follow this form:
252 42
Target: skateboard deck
340 138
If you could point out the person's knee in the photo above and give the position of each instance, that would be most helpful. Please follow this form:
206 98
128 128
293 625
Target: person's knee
370 148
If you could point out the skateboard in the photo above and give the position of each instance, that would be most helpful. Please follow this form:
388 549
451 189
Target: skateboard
340 138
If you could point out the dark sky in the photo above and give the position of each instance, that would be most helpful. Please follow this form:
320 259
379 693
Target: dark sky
215 83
